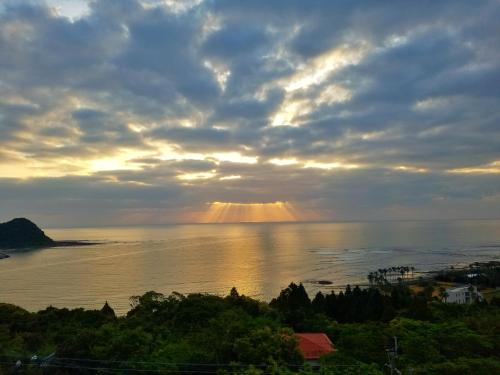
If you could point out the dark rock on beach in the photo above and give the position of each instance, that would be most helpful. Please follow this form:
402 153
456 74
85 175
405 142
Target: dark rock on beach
324 282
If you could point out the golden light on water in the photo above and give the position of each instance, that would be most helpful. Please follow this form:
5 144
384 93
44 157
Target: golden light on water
229 212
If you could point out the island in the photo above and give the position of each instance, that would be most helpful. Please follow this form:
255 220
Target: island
22 233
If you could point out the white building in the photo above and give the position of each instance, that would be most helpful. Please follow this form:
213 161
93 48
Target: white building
462 294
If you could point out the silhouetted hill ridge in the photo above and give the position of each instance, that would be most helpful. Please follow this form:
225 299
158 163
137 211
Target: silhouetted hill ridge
22 233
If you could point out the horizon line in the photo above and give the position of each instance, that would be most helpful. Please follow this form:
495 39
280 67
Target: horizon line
271 222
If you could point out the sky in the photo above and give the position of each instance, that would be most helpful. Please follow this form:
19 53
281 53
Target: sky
149 112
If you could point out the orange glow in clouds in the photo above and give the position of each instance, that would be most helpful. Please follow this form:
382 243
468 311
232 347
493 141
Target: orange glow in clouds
227 212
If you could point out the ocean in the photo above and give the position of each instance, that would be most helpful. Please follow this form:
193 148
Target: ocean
259 259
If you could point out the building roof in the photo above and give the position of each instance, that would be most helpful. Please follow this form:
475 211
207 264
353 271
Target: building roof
461 288
314 345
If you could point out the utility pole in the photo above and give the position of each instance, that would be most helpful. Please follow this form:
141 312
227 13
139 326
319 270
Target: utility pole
392 354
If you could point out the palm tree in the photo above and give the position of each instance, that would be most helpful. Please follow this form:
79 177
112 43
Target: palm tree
443 293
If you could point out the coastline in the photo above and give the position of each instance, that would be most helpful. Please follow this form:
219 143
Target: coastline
212 259
416 284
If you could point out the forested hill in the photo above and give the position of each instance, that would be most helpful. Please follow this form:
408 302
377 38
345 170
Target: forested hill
22 233
237 335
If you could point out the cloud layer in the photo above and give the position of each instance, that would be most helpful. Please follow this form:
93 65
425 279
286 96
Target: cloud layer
147 111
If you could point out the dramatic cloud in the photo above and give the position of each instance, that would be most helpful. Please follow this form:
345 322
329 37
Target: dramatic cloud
150 111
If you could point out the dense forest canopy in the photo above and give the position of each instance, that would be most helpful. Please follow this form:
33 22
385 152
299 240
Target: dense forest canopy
201 333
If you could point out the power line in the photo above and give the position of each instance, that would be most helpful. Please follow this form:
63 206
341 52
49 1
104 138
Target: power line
73 362
116 369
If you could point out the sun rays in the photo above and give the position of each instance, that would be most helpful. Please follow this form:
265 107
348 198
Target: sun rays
228 212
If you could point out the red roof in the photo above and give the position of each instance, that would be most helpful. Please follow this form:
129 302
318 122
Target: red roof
314 345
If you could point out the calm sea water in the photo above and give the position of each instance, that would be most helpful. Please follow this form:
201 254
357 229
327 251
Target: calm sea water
259 259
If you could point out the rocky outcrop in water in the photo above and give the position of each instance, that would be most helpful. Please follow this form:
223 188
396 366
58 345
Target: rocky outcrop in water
22 233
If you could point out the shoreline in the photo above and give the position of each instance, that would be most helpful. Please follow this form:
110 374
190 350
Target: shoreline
422 277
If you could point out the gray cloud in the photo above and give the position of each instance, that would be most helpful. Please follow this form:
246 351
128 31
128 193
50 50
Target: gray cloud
118 103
